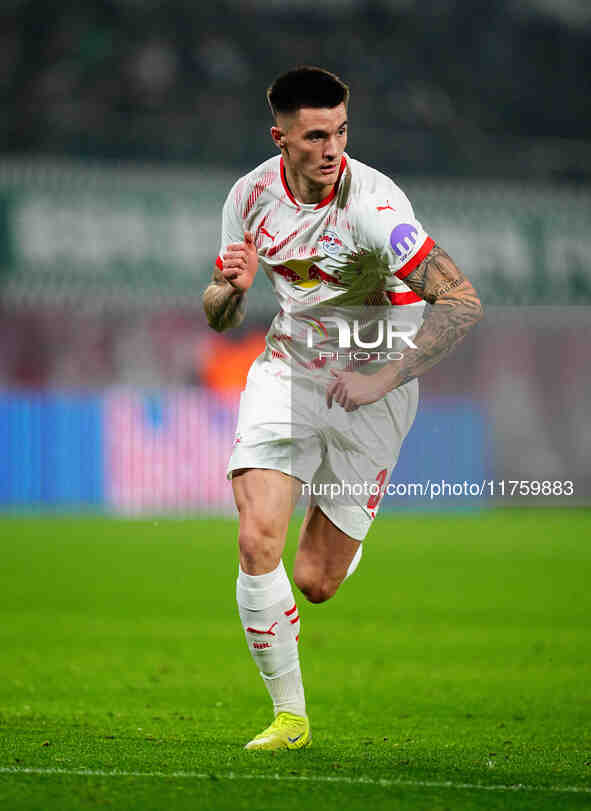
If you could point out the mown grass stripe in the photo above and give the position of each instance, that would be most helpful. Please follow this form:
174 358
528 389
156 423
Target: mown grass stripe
305 778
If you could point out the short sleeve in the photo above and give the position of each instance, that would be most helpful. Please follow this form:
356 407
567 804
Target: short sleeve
388 227
232 225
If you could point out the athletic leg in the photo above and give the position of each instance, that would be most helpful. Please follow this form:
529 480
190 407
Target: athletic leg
265 500
366 450
325 557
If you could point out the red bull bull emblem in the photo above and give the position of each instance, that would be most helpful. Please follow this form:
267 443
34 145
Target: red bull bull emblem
330 243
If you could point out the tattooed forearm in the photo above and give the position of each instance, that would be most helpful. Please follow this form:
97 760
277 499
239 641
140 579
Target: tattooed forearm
445 287
454 311
224 306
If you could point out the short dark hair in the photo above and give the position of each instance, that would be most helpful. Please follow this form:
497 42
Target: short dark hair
306 86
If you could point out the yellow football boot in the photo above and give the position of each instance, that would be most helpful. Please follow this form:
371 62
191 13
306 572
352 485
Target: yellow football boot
286 732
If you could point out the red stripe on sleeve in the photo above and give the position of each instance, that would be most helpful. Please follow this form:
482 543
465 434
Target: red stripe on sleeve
291 610
416 260
219 263
403 298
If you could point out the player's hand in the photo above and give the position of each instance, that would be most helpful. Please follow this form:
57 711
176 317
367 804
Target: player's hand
352 389
241 263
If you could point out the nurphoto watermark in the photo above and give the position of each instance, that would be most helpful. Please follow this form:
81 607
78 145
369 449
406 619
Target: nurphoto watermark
435 489
364 339
388 332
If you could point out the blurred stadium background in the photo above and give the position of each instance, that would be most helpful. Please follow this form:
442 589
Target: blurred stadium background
124 124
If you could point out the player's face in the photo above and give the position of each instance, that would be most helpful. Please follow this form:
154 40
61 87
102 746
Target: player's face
313 141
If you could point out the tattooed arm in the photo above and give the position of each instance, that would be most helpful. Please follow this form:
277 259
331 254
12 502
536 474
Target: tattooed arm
224 305
455 309
224 299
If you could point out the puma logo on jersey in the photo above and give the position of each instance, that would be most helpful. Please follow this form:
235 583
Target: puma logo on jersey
384 208
267 234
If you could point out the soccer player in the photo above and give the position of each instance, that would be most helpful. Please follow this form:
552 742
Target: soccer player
341 246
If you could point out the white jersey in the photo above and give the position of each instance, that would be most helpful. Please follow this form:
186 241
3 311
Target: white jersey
325 259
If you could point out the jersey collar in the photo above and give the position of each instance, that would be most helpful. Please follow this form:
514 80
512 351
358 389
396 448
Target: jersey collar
330 196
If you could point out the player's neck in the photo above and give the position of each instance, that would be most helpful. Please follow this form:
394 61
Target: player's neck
303 190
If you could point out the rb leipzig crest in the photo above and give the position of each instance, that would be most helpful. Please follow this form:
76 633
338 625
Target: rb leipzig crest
330 242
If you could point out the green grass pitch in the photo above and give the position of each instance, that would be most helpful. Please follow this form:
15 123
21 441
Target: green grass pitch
453 667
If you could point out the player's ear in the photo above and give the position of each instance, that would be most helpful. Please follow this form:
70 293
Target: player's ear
278 136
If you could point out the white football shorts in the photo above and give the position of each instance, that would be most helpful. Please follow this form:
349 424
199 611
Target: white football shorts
345 459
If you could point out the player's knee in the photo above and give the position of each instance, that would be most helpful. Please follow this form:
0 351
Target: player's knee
259 548
314 587
317 592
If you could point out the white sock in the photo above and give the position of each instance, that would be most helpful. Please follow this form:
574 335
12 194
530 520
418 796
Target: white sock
355 562
272 627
